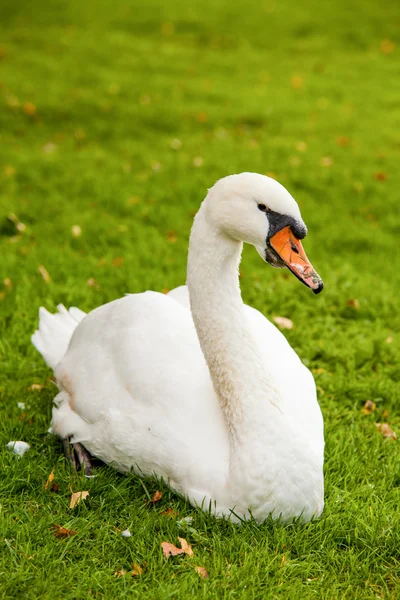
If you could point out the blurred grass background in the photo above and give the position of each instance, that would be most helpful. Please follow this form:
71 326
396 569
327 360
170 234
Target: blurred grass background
115 118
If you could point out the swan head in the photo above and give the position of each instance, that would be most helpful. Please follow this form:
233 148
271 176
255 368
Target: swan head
258 210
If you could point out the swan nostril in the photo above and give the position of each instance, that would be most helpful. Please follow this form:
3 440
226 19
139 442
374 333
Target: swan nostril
294 247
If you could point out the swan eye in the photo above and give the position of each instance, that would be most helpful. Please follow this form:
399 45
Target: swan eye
262 207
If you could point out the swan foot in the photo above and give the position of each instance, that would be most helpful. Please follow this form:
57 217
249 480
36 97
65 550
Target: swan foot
78 457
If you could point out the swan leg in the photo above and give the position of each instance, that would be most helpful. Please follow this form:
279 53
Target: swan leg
78 457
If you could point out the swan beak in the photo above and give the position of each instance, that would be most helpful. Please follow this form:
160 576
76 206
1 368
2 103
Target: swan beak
290 250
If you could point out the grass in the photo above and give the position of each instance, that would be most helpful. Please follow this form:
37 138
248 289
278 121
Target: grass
117 117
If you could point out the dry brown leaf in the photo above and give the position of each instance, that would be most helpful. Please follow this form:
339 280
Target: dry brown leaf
49 481
171 237
368 407
29 109
157 497
354 303
387 46
187 548
170 550
170 513
55 487
283 322
62 532
203 572
136 569
92 282
380 176
77 497
386 431
120 573
342 141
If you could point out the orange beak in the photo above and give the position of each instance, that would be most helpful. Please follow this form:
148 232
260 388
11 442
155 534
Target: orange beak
291 252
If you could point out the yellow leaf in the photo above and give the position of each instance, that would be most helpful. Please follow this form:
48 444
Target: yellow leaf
77 497
50 480
368 407
44 273
136 570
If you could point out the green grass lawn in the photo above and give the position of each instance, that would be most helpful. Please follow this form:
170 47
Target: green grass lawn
116 117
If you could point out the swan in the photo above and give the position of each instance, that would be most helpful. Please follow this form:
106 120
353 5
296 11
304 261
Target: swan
194 386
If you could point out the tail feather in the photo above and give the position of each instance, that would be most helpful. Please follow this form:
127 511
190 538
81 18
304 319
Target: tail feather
55 331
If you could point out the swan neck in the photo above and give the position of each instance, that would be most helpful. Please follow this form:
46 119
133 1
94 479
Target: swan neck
232 354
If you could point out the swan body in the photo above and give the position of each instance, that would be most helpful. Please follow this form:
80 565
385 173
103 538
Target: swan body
195 386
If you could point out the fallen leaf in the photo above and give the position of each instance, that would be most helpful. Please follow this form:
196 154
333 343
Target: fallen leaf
170 513
77 497
49 481
368 407
44 273
29 109
296 82
203 572
76 231
62 532
7 282
171 236
170 550
120 573
92 282
186 547
117 262
342 141
175 144
198 161
386 431
9 171
202 117
380 176
354 303
55 487
326 161
387 46
283 322
136 569
36 386
157 497
301 146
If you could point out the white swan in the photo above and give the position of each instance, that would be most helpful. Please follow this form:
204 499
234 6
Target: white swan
208 395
